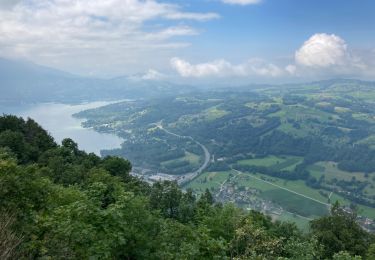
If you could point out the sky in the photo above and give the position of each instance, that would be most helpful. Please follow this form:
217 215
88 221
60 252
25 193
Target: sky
196 40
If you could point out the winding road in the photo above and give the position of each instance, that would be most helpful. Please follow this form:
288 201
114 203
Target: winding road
189 176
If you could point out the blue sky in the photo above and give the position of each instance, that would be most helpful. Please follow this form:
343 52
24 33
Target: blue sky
249 40
278 27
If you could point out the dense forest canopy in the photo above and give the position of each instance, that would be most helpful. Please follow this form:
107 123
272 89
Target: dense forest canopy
58 202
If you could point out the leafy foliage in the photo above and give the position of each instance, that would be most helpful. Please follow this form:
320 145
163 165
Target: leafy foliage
339 232
68 204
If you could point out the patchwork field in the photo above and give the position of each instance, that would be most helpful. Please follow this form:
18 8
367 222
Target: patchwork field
286 163
294 196
330 171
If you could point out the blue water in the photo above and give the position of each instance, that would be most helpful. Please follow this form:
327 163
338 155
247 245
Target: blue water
57 119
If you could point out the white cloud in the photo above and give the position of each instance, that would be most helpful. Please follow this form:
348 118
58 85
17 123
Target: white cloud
192 16
214 68
96 35
322 50
291 69
241 2
329 55
152 75
223 68
171 32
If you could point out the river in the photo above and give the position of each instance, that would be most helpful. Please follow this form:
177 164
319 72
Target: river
58 120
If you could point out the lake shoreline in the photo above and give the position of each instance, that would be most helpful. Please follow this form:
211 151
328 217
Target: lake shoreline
59 120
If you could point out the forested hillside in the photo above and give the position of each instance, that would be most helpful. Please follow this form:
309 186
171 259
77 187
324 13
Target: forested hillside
288 150
58 202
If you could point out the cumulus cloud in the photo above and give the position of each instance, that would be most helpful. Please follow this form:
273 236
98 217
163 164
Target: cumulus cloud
329 55
322 50
223 68
241 2
100 33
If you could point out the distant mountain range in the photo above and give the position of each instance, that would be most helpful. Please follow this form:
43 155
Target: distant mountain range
25 82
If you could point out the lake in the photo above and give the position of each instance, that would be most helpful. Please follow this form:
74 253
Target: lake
57 119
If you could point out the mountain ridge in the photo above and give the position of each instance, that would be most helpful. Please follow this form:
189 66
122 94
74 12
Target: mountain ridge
27 82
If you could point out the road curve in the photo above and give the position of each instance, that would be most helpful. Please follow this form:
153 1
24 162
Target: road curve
189 176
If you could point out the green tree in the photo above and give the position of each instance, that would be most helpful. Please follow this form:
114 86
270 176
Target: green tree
187 207
166 197
252 240
340 232
117 166
222 221
371 252
15 142
70 145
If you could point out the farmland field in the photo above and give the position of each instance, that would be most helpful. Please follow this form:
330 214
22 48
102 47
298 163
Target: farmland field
208 180
274 162
330 171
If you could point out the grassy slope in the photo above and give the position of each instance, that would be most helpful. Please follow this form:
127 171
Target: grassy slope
287 163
